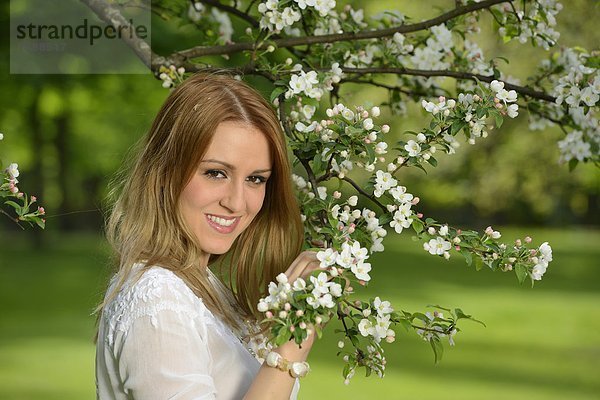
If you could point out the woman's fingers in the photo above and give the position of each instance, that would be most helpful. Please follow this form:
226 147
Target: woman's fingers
303 265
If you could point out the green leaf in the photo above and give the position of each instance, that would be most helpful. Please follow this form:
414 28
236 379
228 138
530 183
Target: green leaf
417 225
467 255
521 272
478 263
432 161
499 120
438 349
573 163
276 92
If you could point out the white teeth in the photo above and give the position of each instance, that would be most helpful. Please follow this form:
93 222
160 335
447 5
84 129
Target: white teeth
221 221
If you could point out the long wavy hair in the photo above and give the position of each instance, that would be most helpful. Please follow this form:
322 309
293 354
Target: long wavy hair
145 223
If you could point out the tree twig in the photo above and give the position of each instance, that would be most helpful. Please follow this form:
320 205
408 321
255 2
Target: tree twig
451 74
200 51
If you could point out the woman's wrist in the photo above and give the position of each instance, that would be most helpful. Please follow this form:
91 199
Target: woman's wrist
296 369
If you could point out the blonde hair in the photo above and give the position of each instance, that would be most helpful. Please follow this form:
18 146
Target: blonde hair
145 224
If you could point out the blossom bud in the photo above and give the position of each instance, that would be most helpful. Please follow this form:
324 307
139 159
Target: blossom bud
381 159
456 240
41 210
333 272
471 141
534 260
390 339
446 112
421 138
270 48
414 202
283 314
292 328
457 248
299 313
419 215
372 136
451 103
329 112
495 256
181 70
269 314
337 195
426 156
431 230
341 175
248 31
19 195
353 200
288 61
512 259
367 140
262 306
441 99
33 199
302 325
476 97
528 239
318 319
446 255
518 242
287 306
365 114
385 128
375 112
350 289
351 230
391 167
391 207
366 312
346 358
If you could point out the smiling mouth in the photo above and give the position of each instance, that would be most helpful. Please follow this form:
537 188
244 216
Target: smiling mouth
221 221
222 225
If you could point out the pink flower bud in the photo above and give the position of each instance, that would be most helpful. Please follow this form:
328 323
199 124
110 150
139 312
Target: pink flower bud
269 314
41 210
33 199
528 239
457 248
337 195
287 306
367 140
299 313
19 195
518 242
441 99
351 229
292 328
419 215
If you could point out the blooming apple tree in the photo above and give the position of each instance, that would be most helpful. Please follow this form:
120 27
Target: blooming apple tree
15 201
309 50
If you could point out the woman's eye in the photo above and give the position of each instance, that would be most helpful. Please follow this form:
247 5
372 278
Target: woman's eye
215 174
257 180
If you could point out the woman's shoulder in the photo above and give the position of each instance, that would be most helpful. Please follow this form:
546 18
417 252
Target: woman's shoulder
148 291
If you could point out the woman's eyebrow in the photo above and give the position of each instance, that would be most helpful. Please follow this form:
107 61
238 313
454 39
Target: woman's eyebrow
231 167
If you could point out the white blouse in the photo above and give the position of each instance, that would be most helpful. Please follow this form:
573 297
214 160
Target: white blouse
157 340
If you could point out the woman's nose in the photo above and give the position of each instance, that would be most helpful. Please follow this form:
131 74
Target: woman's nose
233 198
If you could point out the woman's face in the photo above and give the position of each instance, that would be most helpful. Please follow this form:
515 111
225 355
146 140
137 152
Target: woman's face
228 188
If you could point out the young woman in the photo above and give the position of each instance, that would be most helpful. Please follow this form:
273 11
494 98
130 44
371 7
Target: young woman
209 191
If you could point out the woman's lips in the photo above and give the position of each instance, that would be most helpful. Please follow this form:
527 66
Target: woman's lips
222 224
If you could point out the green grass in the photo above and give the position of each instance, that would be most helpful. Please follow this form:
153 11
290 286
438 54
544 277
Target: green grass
540 343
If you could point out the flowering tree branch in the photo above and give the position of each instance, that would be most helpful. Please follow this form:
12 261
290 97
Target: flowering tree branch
201 51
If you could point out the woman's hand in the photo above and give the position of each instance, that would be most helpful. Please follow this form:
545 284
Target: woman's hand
302 266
